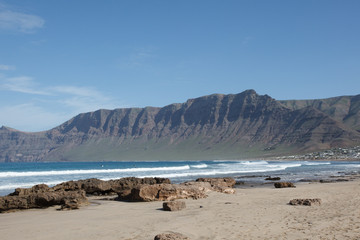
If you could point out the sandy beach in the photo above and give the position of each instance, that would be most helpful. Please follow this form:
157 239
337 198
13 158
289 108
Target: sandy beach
254 213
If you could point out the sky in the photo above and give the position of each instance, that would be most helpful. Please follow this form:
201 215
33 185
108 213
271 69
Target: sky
62 58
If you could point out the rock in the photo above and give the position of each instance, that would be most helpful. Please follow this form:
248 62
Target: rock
166 192
306 201
124 186
91 186
39 196
33 190
70 204
174 206
284 185
171 236
272 178
95 186
224 185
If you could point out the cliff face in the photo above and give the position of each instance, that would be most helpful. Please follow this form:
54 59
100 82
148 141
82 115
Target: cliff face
210 127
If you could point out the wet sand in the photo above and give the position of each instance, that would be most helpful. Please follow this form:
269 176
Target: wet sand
252 213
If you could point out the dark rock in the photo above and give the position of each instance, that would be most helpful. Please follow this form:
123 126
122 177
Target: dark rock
306 201
171 236
284 185
272 178
40 196
174 205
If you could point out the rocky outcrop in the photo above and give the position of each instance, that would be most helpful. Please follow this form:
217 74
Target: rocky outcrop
284 185
41 196
306 201
171 236
168 192
174 205
165 192
245 124
95 186
224 185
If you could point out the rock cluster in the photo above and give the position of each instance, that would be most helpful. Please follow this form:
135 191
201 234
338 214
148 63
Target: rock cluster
169 192
42 196
171 236
306 201
284 185
72 194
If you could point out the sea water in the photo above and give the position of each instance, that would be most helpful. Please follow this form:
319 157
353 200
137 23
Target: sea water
15 175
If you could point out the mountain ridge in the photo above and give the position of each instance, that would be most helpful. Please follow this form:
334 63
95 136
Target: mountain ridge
217 126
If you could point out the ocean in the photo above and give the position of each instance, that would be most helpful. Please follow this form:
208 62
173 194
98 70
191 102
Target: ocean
15 175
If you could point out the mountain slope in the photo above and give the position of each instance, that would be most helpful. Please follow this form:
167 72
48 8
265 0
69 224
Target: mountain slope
210 127
345 109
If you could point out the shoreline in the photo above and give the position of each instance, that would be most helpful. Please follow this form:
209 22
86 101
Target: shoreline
250 213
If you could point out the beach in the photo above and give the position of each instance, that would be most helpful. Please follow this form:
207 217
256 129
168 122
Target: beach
251 213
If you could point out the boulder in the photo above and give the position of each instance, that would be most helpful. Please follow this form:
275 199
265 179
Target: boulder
174 205
171 236
70 204
306 201
284 185
224 185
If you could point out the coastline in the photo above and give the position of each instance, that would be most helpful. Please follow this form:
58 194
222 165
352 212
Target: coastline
250 213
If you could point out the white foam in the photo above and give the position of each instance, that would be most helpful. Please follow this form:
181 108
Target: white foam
199 166
315 163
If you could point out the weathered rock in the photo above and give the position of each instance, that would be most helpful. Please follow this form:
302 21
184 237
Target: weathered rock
284 185
39 196
306 201
272 179
171 236
166 192
33 190
95 186
174 205
224 185
70 204
124 186
90 186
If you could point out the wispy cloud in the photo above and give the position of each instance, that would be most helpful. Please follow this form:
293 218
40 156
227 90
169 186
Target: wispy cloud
19 22
22 84
44 107
4 67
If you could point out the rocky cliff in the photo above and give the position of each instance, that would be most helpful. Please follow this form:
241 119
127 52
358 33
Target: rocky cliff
211 127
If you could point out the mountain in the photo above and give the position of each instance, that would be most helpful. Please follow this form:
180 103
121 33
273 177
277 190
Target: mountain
345 109
235 126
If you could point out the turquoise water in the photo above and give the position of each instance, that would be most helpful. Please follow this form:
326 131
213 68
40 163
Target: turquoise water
14 175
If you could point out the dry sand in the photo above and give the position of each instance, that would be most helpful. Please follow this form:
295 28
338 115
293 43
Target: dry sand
255 213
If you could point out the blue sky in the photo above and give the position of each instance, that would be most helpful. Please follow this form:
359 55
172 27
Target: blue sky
62 58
